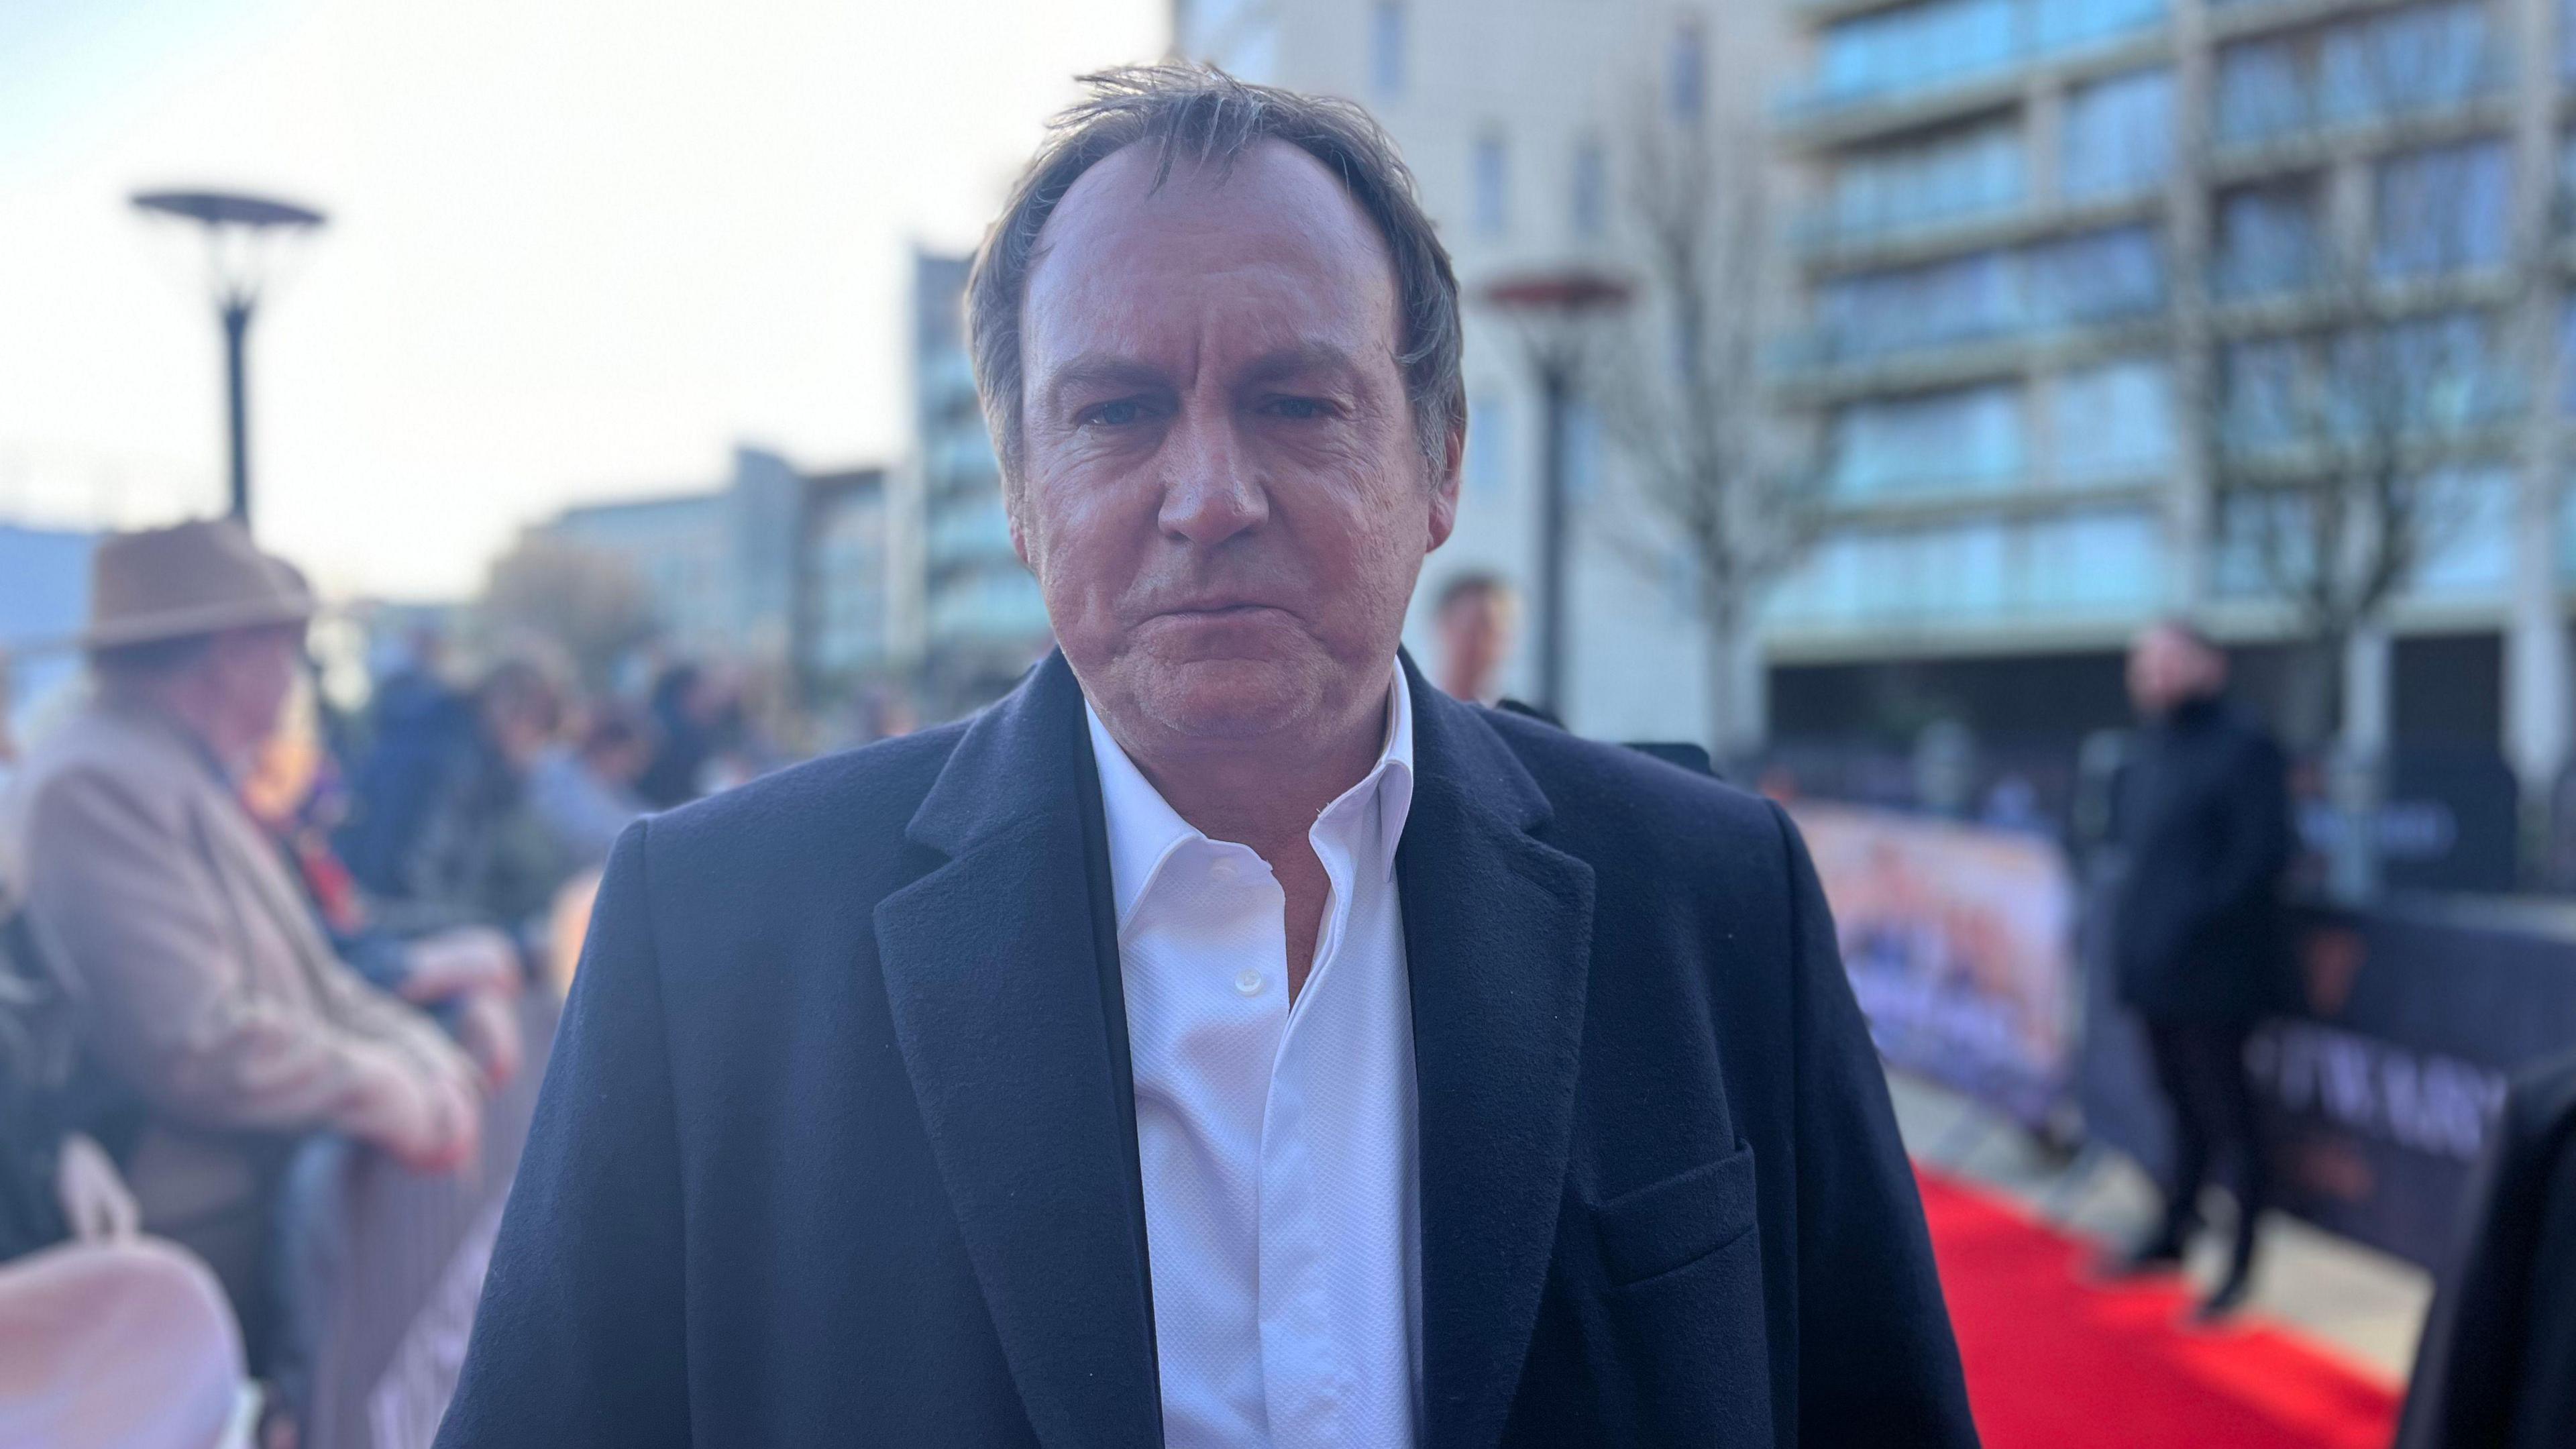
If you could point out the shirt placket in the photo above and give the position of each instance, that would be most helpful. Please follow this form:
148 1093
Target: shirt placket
1307 1383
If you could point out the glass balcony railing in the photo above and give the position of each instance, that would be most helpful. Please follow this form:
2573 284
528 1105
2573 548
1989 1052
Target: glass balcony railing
1924 50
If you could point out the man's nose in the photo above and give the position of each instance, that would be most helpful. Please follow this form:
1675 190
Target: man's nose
1210 492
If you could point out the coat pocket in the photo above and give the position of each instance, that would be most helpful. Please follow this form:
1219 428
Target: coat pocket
1678 1221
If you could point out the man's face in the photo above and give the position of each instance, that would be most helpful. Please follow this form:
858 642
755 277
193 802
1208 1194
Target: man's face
1222 495
2167 669
255 672
1475 634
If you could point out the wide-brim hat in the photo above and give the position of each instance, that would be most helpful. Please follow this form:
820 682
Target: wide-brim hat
192 579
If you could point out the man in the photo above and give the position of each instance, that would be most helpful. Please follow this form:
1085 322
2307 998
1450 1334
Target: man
584 794
1226 1039
2202 815
1475 619
440 827
209 994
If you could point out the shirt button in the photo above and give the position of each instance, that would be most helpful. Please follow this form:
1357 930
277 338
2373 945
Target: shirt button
1222 869
1248 982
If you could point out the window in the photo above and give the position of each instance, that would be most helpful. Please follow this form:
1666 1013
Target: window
2261 91
1386 49
2469 551
2102 561
2114 422
1893 49
1240 35
2567 356
2059 24
1489 441
2400 60
1686 73
2562 204
2443 209
1963 440
1957 173
1875 313
2119 135
2267 239
1591 188
2417 58
1492 173
1937 40
2097 277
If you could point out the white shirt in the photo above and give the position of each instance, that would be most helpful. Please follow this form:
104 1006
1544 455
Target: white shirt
1276 1142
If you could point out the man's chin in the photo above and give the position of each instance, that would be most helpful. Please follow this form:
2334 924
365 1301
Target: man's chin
1232 699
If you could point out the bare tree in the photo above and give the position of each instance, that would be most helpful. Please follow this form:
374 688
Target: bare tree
588 603
1682 391
2348 368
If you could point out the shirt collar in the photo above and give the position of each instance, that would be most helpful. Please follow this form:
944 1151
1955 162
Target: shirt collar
1144 829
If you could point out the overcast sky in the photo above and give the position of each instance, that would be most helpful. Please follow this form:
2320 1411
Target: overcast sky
577 248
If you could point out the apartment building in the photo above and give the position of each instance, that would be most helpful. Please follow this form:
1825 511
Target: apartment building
981 620
2058 256
775 566
1522 121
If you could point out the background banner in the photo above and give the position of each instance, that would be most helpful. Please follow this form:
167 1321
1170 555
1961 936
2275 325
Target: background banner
1959 940
2379 1093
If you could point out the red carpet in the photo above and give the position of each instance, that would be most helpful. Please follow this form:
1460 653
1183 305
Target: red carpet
2056 1363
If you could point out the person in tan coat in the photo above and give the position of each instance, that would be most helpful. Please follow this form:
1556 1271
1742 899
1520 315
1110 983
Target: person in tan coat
211 995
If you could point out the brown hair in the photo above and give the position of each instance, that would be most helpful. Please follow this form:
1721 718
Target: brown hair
1200 114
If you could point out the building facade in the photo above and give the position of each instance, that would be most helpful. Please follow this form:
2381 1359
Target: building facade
2068 265
777 568
2046 257
982 621
1524 122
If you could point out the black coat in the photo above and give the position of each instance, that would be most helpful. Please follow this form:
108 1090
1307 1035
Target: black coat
2203 818
2498 1365
837 1146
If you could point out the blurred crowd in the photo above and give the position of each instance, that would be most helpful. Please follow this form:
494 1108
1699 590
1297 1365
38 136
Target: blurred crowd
241 932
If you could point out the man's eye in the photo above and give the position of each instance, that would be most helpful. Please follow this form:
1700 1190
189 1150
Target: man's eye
1299 407
1114 414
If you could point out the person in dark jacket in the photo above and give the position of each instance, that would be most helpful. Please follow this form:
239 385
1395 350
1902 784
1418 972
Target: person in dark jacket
441 831
2498 1365
947 1091
2203 819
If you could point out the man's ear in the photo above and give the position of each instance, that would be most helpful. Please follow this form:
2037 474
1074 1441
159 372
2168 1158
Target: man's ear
1444 487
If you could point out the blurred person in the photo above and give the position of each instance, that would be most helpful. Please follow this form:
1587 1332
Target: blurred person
585 793
106 1338
468 975
209 995
2202 816
691 709
948 1090
123 1343
1476 620
441 825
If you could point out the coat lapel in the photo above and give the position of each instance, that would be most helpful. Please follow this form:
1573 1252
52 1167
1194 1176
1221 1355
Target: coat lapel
1013 1034
1497 939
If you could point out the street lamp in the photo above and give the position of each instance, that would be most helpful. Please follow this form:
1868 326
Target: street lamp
244 235
1554 312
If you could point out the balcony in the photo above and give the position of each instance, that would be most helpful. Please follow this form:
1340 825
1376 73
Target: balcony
1826 240
1837 109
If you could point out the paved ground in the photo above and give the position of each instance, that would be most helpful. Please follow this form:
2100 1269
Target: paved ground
2348 1299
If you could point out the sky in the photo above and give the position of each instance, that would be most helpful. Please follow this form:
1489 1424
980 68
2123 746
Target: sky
577 248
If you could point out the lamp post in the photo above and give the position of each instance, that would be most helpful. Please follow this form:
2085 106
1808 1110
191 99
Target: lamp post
243 234
1554 311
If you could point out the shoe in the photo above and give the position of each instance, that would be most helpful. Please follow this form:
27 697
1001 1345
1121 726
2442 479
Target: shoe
2223 1303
